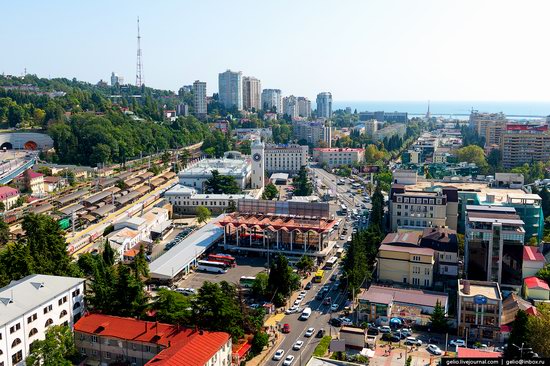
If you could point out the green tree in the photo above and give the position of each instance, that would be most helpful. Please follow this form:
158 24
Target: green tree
545 196
305 263
218 184
108 253
473 154
165 157
15 115
344 171
538 330
57 349
4 233
282 281
438 319
270 192
259 342
141 268
203 214
302 185
260 285
130 296
173 308
377 212
231 206
544 273
518 335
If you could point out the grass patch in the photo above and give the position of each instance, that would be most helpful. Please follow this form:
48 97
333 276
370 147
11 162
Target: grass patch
322 347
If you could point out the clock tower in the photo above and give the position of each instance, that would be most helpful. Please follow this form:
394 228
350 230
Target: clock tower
258 165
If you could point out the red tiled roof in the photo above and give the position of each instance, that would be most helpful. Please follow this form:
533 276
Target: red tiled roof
408 237
6 192
32 174
534 282
182 346
277 222
337 149
463 352
532 254
51 179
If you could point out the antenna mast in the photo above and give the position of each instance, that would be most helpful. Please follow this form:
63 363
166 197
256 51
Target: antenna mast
139 64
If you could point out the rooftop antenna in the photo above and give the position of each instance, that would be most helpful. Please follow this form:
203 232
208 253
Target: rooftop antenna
139 64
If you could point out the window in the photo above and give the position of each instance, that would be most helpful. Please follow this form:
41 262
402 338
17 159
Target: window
83 351
404 279
427 271
438 201
31 318
416 281
47 309
427 283
416 258
16 342
62 300
108 355
94 352
94 339
48 322
15 328
76 305
76 292
63 313
18 357
33 332
147 348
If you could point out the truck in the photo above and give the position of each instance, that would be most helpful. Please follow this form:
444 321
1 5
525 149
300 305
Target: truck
306 313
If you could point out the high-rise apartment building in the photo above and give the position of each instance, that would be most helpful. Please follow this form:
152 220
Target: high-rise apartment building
199 98
231 89
304 107
524 144
272 98
312 133
371 126
324 105
290 106
285 158
252 90
116 79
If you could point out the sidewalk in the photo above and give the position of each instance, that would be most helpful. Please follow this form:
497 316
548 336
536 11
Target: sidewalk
262 357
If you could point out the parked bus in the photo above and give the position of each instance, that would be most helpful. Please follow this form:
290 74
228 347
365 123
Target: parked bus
331 262
319 276
226 259
247 281
214 267
340 253
343 209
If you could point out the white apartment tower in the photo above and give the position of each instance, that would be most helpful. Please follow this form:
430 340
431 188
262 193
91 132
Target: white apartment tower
231 89
304 107
272 98
290 106
324 105
199 98
252 90
258 165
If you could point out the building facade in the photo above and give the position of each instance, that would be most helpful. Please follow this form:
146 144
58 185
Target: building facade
185 200
313 133
285 158
304 107
334 157
230 90
272 98
524 144
381 116
196 175
31 305
479 310
290 106
252 91
324 105
199 99
8 196
405 265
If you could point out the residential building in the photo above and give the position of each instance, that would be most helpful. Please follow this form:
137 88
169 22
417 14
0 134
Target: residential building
371 126
221 125
313 133
252 90
105 339
8 196
182 109
445 244
170 115
509 180
533 261
388 131
185 200
304 107
285 158
31 305
116 79
272 99
230 90
196 175
334 157
381 116
379 304
524 144
54 183
199 99
417 208
253 133
489 126
493 247
30 181
479 310
536 289
290 106
324 105
405 265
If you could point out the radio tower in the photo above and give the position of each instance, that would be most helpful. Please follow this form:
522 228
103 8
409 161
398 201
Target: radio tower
139 64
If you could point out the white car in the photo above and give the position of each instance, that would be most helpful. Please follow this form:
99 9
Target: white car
458 343
303 293
300 297
278 355
291 310
385 329
297 302
288 360
298 345
413 341
342 237
334 307
309 332
434 349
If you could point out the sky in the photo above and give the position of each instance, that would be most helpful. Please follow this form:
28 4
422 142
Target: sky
494 50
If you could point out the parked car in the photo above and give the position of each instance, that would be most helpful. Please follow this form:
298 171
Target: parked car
328 301
406 331
308 286
385 329
298 345
432 348
372 331
309 332
303 293
286 328
320 333
335 322
394 337
334 277
334 307
288 360
278 355
292 309
458 343
319 296
412 341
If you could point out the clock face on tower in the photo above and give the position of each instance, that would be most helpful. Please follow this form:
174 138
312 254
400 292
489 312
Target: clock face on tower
257 157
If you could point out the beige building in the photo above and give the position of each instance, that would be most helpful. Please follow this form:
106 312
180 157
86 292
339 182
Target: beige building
31 180
371 126
285 158
334 157
524 144
252 91
417 208
8 196
406 265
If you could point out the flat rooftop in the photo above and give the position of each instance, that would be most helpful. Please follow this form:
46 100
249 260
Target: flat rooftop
490 290
234 167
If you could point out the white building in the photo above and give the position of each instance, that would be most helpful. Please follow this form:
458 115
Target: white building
116 79
30 306
252 89
199 98
285 158
290 106
304 107
371 126
324 105
339 156
231 89
185 200
272 98
197 174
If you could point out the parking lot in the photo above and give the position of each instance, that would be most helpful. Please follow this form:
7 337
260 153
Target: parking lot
246 266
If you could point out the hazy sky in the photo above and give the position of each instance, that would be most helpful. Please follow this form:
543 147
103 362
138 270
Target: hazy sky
358 50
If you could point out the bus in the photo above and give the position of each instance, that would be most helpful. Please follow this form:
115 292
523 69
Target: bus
214 267
356 185
246 281
226 259
331 262
343 209
319 276
340 253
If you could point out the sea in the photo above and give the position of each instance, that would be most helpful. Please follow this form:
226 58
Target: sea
452 109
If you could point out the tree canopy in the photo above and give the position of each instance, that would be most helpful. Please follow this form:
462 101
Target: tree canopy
57 349
218 184
301 183
270 192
